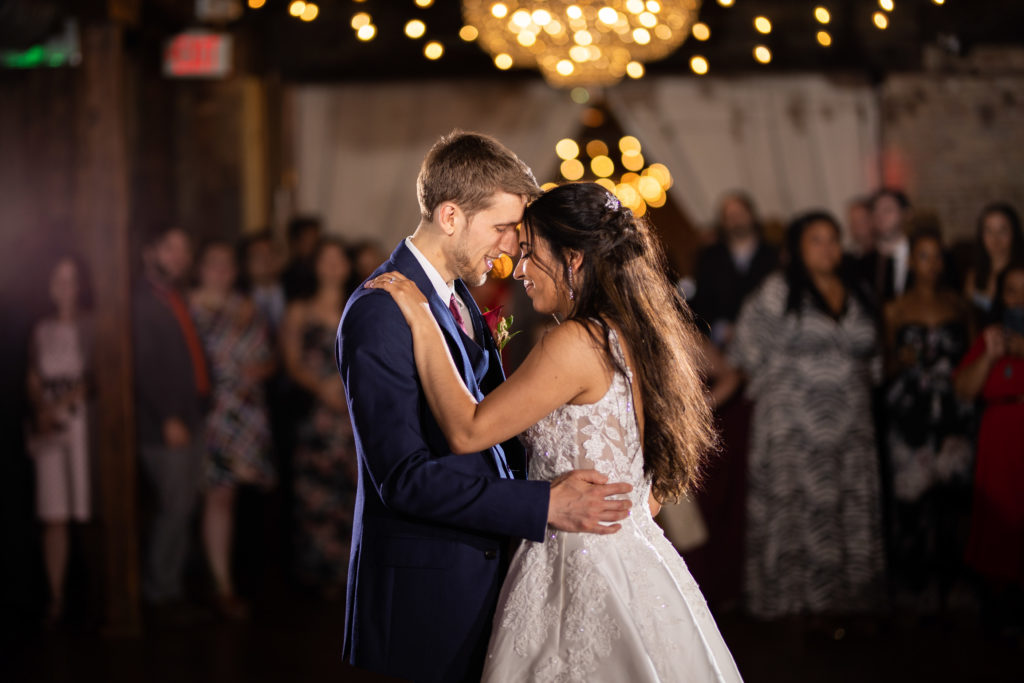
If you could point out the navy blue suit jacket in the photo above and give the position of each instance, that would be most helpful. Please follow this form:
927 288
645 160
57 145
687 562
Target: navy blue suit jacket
431 528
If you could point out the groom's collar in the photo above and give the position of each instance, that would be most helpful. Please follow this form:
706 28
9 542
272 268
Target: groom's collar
445 290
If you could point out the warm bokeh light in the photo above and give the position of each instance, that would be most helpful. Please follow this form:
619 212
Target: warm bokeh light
635 6
582 38
606 183
296 8
433 50
309 12
824 39
415 28
763 25
592 117
887 5
649 188
608 15
635 70
653 6
699 65
629 144
602 166
526 38
468 33
541 17
503 61
642 36
566 149
360 20
565 67
499 10
939 2
822 15
256 4
572 169
579 95
424 3
596 148
647 20
701 31
573 12
629 178
548 186
881 21
725 3
633 161
762 54
367 32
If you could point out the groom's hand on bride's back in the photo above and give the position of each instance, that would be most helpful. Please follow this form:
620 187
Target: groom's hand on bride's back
579 502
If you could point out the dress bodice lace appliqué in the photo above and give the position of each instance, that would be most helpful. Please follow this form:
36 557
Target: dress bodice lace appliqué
577 604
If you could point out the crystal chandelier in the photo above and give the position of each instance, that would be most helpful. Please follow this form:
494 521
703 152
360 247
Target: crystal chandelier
585 42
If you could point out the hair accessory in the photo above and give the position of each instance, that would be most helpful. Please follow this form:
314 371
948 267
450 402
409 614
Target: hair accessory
611 202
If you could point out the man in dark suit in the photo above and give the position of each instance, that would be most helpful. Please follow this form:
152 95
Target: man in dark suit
431 529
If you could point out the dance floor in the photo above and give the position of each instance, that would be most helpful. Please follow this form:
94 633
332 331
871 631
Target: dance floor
299 639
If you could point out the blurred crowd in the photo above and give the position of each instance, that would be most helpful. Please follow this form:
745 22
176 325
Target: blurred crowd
868 383
871 404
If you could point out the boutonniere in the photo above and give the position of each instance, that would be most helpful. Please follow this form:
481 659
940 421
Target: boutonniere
500 326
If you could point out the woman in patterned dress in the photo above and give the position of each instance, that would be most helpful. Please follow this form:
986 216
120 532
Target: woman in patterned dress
324 459
806 340
238 443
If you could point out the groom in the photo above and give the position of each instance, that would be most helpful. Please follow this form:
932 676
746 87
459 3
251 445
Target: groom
432 528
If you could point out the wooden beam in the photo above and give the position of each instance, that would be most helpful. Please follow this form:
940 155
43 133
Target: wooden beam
101 221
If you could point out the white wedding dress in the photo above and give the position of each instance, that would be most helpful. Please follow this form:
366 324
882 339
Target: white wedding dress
618 608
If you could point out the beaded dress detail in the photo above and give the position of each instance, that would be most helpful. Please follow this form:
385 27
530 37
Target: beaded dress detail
583 607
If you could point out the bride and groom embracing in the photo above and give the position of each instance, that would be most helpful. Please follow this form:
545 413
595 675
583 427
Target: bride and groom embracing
607 415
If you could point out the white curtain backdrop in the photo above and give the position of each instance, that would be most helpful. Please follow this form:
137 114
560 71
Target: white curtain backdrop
358 148
792 142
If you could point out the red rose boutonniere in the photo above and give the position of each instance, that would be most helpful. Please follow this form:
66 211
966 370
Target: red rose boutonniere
500 326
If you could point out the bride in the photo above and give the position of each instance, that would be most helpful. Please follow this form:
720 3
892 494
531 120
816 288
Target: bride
615 387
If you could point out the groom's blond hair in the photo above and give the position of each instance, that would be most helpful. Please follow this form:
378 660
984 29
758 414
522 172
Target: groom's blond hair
468 169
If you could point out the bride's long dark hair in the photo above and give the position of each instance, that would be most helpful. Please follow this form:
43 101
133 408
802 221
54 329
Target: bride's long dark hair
623 280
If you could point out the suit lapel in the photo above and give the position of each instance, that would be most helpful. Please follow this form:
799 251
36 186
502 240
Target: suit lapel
407 265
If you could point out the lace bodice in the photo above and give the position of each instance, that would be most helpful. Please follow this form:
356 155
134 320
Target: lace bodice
602 436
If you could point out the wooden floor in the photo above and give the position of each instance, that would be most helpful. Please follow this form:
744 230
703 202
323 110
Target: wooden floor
292 638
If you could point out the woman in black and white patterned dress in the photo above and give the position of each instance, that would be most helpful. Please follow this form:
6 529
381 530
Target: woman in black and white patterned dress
807 341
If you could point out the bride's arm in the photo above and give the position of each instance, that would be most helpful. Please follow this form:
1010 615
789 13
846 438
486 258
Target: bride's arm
564 365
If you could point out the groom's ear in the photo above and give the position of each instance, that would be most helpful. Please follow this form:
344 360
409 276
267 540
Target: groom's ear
448 216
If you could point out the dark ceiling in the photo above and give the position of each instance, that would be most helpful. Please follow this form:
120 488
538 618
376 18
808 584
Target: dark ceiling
327 49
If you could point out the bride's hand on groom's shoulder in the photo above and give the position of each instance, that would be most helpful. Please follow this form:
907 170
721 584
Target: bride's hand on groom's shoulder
404 291
579 502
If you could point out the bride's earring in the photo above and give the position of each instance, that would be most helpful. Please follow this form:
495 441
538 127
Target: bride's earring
572 294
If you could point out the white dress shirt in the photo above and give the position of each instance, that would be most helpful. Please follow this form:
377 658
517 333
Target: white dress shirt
445 290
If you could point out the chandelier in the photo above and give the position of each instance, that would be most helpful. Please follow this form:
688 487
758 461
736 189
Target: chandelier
580 43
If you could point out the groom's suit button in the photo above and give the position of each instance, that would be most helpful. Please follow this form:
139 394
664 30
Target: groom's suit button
490 554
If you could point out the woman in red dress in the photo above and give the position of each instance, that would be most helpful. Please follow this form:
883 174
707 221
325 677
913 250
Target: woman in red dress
994 370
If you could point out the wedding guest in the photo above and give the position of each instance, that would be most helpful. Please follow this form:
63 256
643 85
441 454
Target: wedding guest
237 431
172 383
299 278
806 341
731 268
993 370
324 459
885 267
998 241
929 429
260 277
726 273
365 257
58 435
860 226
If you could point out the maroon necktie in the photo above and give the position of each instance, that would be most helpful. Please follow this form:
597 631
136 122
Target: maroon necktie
454 308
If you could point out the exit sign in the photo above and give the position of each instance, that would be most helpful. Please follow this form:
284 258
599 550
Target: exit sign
198 54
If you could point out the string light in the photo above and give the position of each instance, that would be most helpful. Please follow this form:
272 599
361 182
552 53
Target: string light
725 3
360 20
424 3
822 15
415 28
566 149
887 5
635 70
296 8
366 33
763 25
701 31
699 65
309 12
881 21
256 4
762 54
503 61
433 50
824 38
468 33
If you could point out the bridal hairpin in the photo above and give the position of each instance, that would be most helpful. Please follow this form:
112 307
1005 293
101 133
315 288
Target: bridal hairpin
611 202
